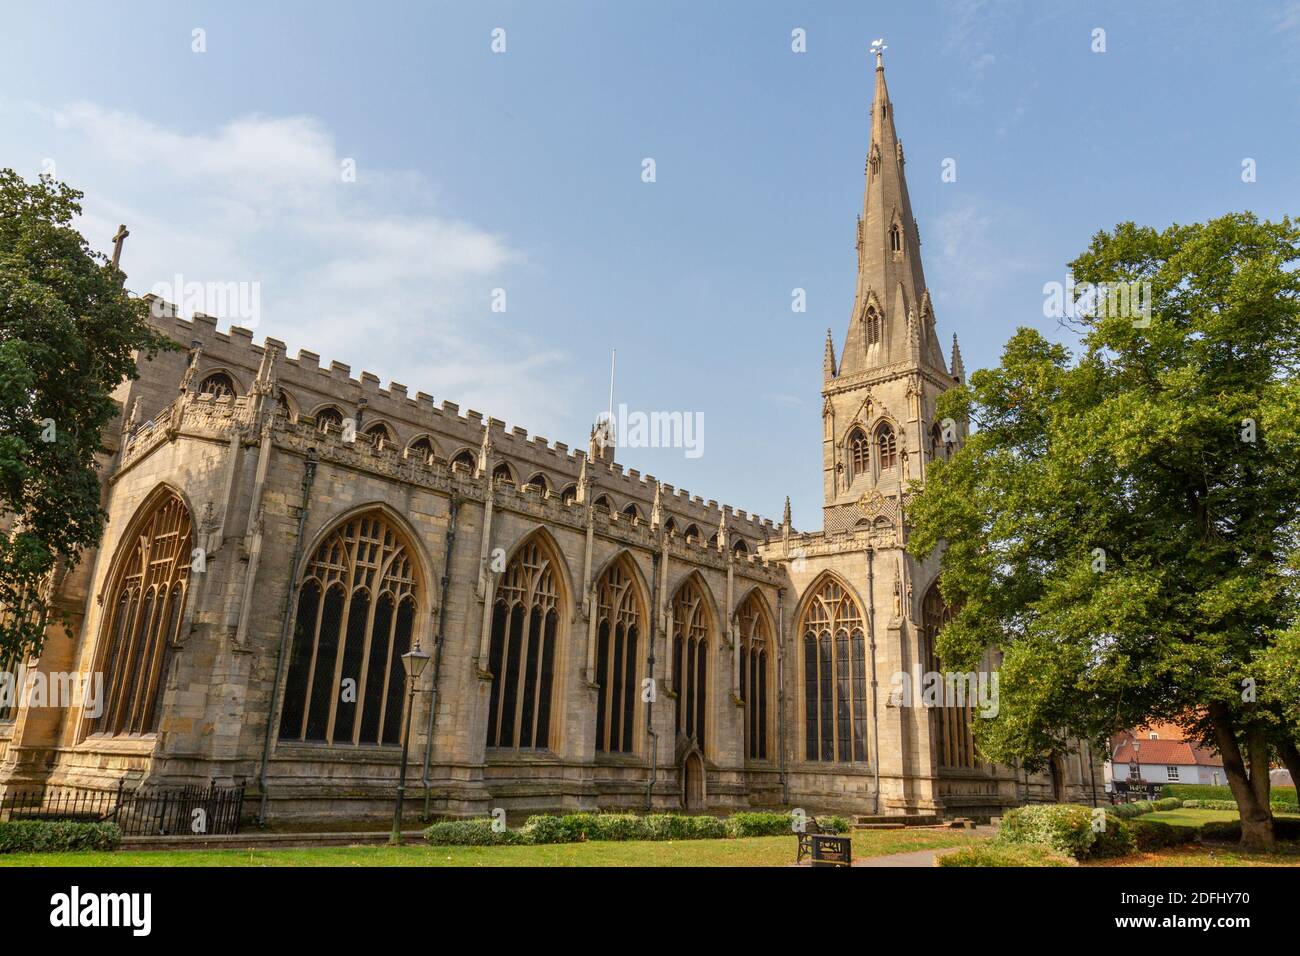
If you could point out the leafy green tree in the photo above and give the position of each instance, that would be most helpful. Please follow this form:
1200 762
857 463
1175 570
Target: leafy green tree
1124 527
69 334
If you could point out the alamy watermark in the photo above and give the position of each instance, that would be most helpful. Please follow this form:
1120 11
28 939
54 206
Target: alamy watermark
1126 300
27 688
976 689
637 429
239 303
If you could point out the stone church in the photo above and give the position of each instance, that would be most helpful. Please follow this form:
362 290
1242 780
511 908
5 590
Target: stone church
281 532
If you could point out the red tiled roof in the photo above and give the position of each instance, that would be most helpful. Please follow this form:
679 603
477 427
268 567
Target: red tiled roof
1173 753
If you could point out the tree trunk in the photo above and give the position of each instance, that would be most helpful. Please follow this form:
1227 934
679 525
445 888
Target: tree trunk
1256 817
1291 759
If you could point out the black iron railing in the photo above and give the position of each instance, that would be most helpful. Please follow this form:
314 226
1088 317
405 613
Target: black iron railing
166 811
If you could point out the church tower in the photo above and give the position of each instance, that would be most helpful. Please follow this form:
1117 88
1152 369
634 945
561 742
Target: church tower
878 396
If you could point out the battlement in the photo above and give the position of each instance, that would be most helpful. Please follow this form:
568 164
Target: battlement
306 387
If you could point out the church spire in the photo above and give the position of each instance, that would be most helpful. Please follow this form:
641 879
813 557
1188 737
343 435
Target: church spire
958 367
828 361
891 282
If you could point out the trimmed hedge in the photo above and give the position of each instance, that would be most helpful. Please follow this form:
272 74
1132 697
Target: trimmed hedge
999 854
1230 830
1284 797
1154 835
56 836
760 824
1127 811
1277 806
1067 828
477 832
582 827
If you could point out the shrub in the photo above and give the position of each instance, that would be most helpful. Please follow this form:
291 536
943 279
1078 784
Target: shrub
1230 830
1286 796
1210 804
1169 803
707 828
580 827
1065 827
1115 839
1001 854
476 832
668 826
53 836
1068 828
760 824
1127 811
1153 834
616 826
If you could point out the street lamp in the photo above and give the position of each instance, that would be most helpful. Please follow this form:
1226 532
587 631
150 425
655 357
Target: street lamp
413 662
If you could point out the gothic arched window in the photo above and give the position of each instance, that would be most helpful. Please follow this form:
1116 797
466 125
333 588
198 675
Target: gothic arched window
755 658
569 495
859 453
834 676
540 482
218 385
380 434
329 419
895 238
952 723
146 603
692 534
285 405
739 547
465 458
357 612
875 327
502 473
886 446
632 511
525 625
603 503
618 630
670 526
691 660
422 449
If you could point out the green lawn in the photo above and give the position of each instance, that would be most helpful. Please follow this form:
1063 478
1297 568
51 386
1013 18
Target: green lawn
1194 818
1288 855
751 851
1191 818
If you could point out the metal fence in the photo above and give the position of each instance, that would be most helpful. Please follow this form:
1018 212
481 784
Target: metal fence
174 811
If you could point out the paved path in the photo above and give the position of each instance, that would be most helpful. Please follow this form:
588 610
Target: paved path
915 858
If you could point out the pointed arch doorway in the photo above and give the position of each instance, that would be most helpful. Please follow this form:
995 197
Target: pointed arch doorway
693 792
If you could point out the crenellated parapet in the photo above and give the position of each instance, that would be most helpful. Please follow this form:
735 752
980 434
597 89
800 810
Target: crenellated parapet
305 387
222 419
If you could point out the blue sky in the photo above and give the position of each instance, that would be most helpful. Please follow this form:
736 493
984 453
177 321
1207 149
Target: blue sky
522 170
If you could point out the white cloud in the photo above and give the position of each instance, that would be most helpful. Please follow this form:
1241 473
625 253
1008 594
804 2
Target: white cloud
1288 19
973 266
371 272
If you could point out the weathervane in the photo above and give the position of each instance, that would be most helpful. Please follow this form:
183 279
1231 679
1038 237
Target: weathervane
878 47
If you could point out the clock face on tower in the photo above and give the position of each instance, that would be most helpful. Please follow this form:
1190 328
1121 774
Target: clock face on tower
872 503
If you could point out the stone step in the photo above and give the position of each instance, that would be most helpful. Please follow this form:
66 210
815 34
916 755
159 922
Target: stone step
906 820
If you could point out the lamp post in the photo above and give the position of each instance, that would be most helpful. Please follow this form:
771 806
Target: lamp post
413 662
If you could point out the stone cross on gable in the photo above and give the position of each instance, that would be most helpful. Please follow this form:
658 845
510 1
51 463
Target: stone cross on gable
118 240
